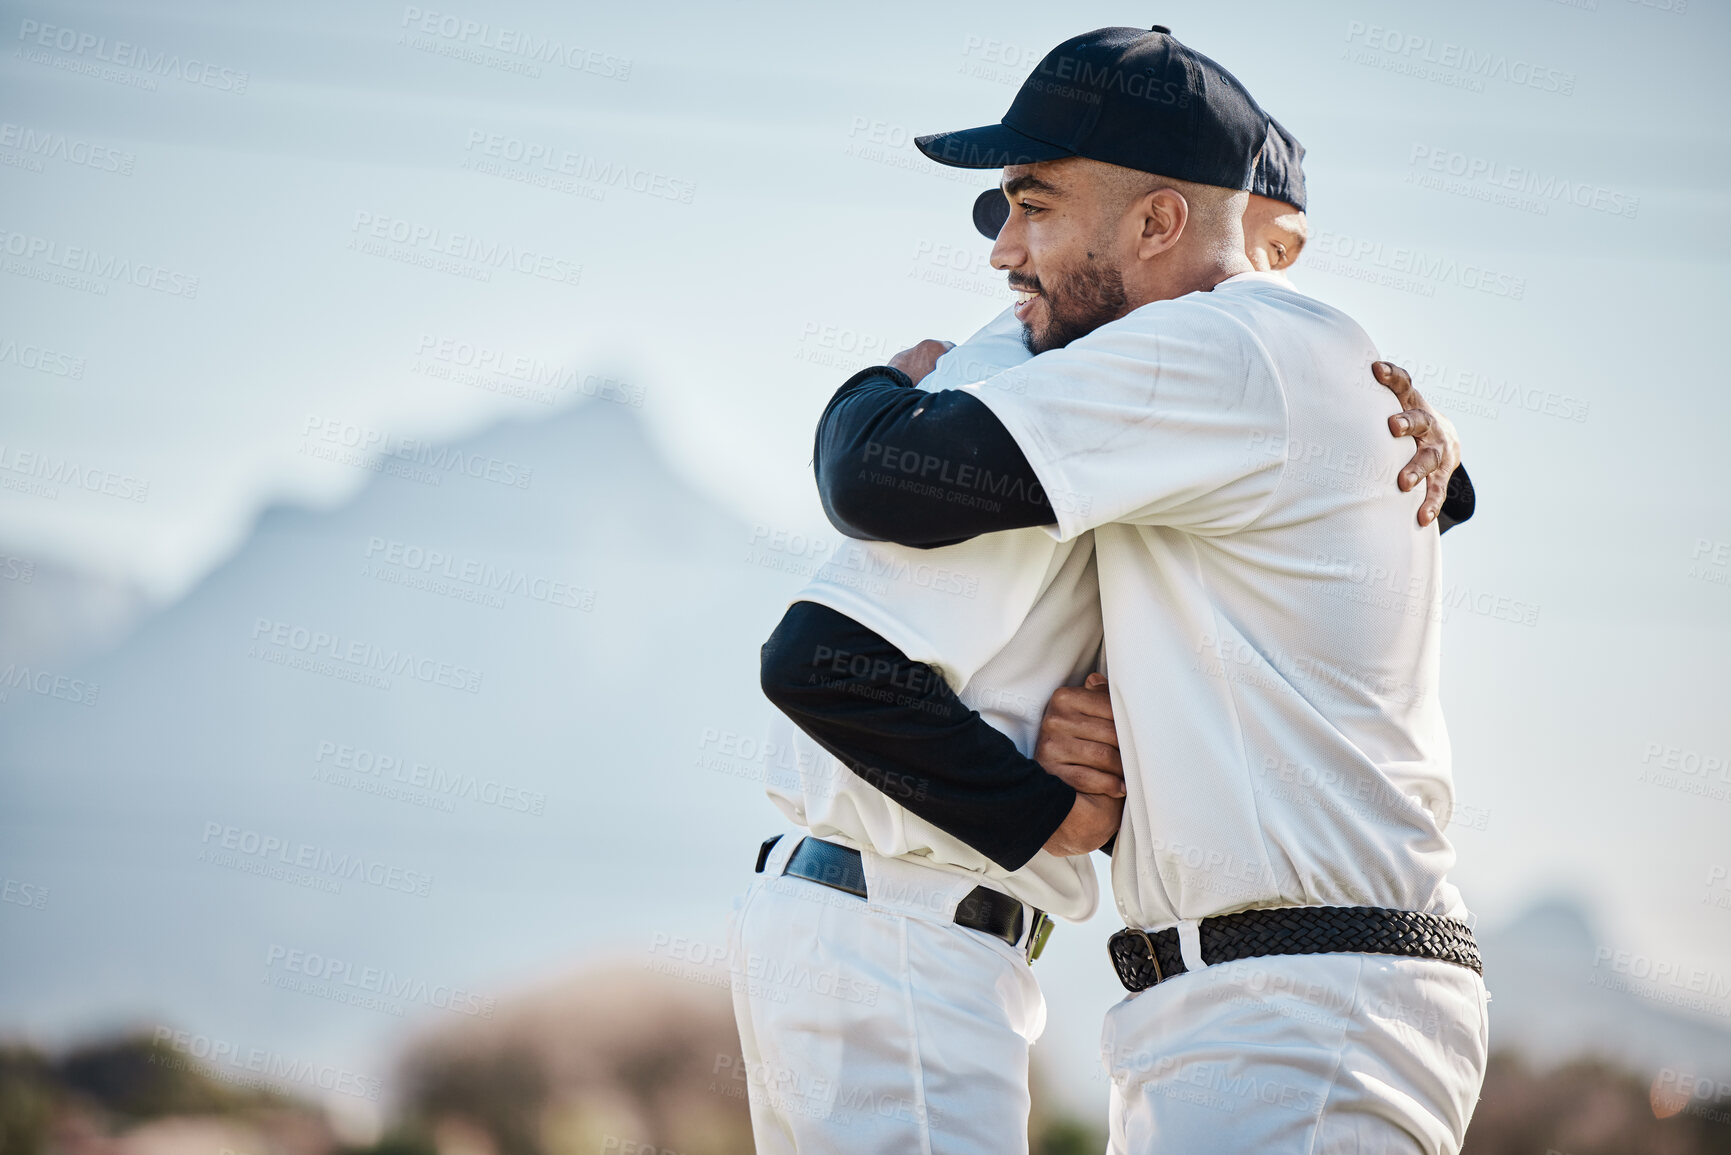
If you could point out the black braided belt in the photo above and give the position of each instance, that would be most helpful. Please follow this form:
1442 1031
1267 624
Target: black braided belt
1144 958
983 909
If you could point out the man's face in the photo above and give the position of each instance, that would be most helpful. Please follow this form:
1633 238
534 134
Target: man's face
1064 248
1274 231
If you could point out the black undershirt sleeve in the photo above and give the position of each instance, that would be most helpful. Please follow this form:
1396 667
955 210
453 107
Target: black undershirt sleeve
897 724
1458 505
895 463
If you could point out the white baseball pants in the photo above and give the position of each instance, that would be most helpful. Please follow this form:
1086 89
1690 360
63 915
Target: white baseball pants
878 1025
1300 1054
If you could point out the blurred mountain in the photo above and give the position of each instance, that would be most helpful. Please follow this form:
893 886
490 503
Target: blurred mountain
52 614
1556 998
462 732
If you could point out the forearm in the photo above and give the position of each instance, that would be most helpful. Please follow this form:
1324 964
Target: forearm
898 725
898 464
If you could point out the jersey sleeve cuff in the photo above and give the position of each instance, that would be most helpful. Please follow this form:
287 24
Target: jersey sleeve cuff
1052 800
879 373
1070 508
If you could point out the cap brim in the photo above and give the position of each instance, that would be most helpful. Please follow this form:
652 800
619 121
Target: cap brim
989 146
991 210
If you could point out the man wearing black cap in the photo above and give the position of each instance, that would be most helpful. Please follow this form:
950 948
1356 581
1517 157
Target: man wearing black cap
1274 225
1275 228
1301 978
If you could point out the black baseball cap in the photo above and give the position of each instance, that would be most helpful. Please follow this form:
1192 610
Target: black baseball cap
1126 96
1279 174
1279 170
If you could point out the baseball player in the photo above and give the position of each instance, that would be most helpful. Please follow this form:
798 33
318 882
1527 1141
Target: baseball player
1302 978
871 883
1275 227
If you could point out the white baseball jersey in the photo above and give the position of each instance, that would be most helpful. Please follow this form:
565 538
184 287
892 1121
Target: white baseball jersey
1270 602
1006 618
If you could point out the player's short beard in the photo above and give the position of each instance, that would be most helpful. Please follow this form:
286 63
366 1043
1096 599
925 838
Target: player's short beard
1076 304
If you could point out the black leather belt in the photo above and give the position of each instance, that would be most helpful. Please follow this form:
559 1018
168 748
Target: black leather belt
1144 958
983 909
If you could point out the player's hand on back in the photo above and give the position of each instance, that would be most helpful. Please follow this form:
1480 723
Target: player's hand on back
1079 743
920 359
1439 449
1078 740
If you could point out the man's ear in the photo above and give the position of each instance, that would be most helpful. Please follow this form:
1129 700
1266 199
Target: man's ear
1164 213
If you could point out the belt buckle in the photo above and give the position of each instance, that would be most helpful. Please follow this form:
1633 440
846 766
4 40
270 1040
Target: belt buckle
1128 968
1037 937
1153 955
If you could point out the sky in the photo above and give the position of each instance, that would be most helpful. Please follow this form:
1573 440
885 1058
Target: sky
238 238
